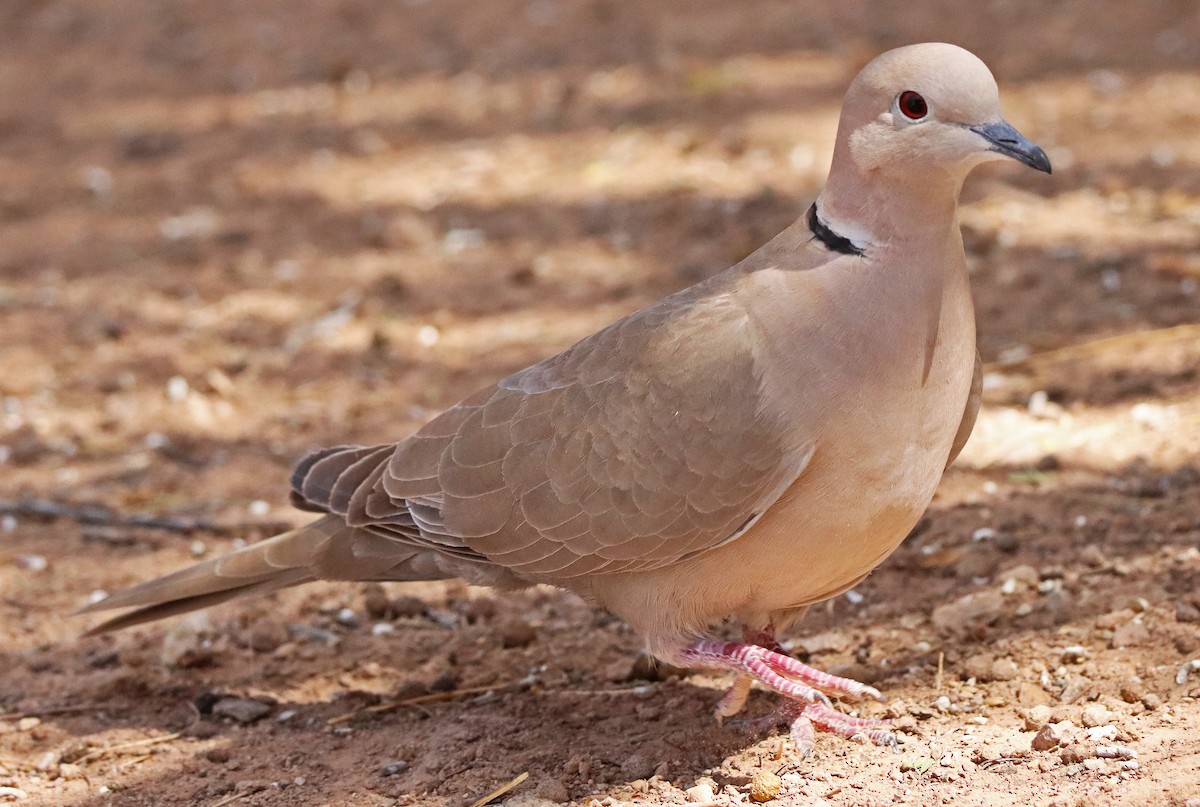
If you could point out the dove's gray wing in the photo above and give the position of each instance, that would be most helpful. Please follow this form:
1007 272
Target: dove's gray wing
640 446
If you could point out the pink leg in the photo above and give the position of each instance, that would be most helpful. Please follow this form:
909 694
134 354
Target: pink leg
760 658
775 671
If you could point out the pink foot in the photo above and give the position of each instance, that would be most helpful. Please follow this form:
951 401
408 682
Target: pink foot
808 688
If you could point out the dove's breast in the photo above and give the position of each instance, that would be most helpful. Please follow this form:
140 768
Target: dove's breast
882 439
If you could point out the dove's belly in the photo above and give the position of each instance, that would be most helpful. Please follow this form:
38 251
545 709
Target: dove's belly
858 498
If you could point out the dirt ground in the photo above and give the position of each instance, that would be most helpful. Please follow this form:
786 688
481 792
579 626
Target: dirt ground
233 231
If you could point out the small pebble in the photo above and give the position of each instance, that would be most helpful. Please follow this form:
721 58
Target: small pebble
517 633
219 755
1004 669
1095 714
266 636
1036 717
1115 752
376 602
700 793
764 786
1074 754
241 710
408 606
1073 654
1052 735
552 790
394 768
1102 733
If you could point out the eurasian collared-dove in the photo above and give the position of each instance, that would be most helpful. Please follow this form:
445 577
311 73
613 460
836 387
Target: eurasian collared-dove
746 447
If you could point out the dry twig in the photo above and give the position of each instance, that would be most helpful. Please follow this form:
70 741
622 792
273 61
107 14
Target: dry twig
100 515
435 697
96 753
500 791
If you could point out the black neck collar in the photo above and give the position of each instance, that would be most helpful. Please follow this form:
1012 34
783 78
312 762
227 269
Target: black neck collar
832 241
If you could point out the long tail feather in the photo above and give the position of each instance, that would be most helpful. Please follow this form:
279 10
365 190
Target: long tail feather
286 560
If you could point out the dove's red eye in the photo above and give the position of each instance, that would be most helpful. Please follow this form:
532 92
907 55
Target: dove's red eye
913 105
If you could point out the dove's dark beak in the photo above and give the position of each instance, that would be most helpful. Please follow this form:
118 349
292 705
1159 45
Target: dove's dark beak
1006 140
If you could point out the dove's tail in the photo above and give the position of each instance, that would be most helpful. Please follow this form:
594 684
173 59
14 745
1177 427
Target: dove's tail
294 557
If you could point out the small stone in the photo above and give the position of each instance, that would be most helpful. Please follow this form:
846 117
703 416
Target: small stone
552 790
1036 717
1031 694
764 786
1131 634
1130 694
1074 654
394 768
249 786
637 766
700 793
28 723
942 704
1094 764
516 633
219 755
1052 735
1151 701
375 601
979 608
1004 669
1095 714
407 606
478 609
1074 754
979 667
828 642
266 636
241 710
1022 577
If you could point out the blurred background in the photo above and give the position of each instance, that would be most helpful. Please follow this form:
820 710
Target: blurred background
230 232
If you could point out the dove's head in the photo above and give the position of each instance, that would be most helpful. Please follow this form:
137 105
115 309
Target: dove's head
929 110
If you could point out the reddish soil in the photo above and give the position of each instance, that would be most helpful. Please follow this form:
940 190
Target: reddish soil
230 232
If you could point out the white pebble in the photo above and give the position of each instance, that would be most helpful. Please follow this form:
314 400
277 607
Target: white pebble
1187 669
99 181
8 523
1102 733
177 388
157 440
983 534
382 628
1073 654
1080 522
199 548
32 563
854 597
259 508
942 704
428 336
457 241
